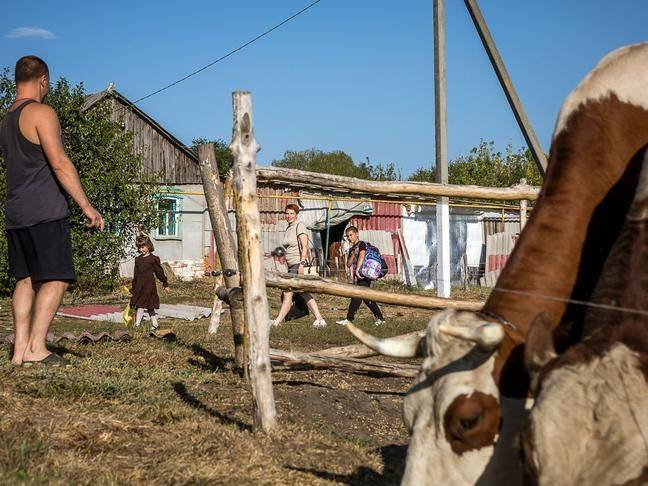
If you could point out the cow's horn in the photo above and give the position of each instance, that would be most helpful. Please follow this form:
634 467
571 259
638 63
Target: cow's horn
487 336
396 347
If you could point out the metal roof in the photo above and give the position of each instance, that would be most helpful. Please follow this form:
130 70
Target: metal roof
94 98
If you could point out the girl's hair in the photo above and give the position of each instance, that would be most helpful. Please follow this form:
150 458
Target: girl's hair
294 207
143 240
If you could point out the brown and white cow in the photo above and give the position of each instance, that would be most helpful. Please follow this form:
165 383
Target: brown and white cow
589 424
467 387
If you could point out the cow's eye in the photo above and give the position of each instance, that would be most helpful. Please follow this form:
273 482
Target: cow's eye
470 423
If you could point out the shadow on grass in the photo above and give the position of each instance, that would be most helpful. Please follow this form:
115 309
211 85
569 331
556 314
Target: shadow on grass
192 401
384 392
393 457
302 383
212 362
61 350
55 348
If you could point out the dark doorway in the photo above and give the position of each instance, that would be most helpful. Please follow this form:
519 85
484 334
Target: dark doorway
335 266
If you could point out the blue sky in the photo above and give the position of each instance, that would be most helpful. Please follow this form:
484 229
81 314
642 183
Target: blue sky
354 75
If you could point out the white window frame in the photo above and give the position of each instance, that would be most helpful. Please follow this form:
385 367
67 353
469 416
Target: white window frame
176 214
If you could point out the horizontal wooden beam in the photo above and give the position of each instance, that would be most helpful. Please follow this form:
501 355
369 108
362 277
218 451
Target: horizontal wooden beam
393 189
296 358
318 285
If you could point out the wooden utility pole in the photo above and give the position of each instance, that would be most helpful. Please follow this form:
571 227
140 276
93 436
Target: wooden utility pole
248 221
441 142
507 85
224 240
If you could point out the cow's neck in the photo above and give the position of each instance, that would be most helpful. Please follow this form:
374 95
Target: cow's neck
592 176
593 172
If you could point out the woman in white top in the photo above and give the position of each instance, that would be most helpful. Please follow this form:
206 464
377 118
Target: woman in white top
296 244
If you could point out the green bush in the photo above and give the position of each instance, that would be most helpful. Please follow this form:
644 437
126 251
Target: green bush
112 178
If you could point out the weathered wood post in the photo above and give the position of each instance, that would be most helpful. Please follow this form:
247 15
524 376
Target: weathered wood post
248 229
523 208
224 242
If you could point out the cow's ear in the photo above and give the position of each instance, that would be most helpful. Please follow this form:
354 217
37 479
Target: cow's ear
539 348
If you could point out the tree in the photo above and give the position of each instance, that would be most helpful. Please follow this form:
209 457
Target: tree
222 152
424 175
103 154
484 166
382 172
336 162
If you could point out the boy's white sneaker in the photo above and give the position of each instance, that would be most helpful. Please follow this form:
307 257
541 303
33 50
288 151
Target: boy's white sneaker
319 323
343 322
379 322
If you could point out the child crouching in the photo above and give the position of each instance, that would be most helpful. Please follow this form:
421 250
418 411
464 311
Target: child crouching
147 267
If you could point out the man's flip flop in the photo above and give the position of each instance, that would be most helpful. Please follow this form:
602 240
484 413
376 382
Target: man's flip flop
51 359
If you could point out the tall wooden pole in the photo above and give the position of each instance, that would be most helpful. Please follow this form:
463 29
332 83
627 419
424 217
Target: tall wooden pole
507 85
224 240
248 221
441 143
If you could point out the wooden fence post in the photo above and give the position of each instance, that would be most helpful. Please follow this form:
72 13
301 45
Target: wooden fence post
523 208
224 239
257 313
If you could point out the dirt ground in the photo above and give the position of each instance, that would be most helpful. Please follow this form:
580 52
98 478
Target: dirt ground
150 411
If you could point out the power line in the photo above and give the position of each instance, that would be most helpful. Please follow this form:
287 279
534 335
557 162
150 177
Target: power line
585 303
233 51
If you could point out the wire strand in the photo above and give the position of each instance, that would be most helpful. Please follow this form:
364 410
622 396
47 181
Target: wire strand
573 301
230 53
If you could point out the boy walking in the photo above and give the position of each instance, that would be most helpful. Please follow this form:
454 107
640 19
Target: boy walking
355 258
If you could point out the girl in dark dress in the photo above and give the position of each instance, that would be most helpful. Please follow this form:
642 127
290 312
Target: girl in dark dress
147 267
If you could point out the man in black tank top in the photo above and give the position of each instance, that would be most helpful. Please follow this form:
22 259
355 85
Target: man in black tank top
39 179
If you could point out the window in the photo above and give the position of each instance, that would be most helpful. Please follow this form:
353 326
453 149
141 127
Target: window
169 218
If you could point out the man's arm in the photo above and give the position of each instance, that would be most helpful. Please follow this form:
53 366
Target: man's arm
49 135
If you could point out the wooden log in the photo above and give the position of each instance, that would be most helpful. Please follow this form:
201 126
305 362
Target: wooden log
224 239
257 313
358 350
318 285
397 190
295 358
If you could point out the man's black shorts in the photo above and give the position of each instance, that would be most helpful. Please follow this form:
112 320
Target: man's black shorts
42 252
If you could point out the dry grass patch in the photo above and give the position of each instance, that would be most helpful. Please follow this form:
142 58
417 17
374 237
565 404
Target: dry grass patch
174 413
